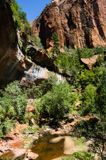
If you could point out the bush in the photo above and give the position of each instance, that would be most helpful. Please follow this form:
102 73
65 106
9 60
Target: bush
99 50
57 102
89 99
55 49
12 106
85 52
80 156
87 77
37 41
19 17
101 97
69 63
14 101
41 89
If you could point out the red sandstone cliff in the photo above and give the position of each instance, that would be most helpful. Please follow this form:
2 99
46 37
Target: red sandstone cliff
78 23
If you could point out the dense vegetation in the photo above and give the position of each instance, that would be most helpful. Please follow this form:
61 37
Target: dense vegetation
83 93
19 17
87 88
80 156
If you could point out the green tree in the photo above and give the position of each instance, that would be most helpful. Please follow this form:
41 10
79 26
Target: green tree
89 99
57 102
55 49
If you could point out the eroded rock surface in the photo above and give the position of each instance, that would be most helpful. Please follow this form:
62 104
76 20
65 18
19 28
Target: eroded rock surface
12 61
78 23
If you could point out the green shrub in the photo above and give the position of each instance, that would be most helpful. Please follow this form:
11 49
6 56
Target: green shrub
80 156
12 106
69 63
6 126
57 102
37 41
99 71
19 17
14 101
41 89
89 99
55 49
87 77
99 50
85 52
101 97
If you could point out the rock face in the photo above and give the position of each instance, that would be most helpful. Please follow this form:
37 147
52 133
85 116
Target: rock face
78 23
12 62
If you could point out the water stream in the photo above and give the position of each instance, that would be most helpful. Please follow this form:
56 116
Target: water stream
37 72
49 148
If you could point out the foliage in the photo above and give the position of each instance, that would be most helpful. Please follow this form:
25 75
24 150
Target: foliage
57 102
41 89
85 52
101 97
80 156
13 101
36 40
19 17
89 52
12 106
99 50
55 49
69 63
89 99
87 77
6 126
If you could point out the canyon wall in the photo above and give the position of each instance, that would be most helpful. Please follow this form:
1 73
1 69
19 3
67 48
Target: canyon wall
78 23
12 63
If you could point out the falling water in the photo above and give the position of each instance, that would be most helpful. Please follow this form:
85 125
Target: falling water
37 72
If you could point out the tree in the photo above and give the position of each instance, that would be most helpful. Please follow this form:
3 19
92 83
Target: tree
55 49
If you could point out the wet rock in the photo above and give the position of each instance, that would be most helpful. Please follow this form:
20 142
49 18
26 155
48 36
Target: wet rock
69 145
40 57
56 140
12 61
31 155
16 143
19 154
36 74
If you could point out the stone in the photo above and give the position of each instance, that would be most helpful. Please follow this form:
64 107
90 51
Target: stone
56 140
19 153
78 23
31 155
12 61
90 61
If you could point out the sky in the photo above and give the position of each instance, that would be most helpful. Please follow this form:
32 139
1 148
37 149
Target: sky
33 8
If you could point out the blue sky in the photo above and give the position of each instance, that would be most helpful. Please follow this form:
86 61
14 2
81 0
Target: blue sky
33 8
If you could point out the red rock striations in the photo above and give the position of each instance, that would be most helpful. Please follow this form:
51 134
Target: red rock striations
78 23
